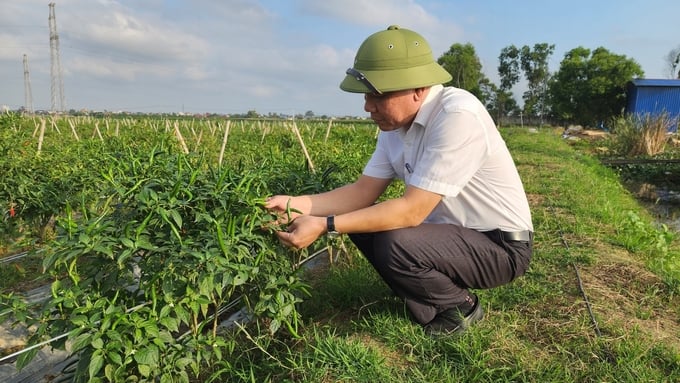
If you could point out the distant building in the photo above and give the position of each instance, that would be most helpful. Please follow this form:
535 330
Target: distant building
654 97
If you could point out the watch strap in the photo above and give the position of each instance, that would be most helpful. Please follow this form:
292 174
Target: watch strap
330 225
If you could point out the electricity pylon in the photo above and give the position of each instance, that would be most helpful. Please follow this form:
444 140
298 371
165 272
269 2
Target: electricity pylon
28 93
57 82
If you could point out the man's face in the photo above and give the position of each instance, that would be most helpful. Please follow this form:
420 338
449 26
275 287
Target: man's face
393 110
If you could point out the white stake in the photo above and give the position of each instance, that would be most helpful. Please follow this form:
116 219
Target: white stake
224 142
42 134
304 148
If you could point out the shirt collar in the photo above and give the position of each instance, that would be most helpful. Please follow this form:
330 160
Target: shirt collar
428 105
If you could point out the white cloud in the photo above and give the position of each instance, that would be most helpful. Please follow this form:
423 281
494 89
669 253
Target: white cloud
371 12
437 29
97 67
261 91
126 33
125 45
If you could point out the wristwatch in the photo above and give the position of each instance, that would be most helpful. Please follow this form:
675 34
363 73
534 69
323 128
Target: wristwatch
330 226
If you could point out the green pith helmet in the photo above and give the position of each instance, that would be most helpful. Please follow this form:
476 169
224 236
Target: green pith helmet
391 60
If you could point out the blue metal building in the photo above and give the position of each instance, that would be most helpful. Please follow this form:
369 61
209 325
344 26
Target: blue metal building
653 97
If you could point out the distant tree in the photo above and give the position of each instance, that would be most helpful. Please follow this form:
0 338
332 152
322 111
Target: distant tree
489 92
309 114
590 87
509 73
673 60
534 64
499 103
462 63
252 114
508 67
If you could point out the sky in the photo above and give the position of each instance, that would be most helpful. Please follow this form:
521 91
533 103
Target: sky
287 56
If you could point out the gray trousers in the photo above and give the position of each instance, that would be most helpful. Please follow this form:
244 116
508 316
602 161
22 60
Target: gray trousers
432 266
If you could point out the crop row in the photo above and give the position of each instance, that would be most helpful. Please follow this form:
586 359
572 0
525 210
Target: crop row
148 229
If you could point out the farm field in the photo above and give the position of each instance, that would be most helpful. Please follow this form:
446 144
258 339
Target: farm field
150 231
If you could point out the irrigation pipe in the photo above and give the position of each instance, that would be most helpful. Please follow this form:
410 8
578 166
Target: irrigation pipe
13 257
580 282
27 349
220 311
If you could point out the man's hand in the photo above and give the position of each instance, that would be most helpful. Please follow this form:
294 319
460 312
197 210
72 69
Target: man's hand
287 208
302 231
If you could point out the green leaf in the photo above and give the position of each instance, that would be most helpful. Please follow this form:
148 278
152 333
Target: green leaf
79 320
170 323
151 328
241 278
148 355
274 326
206 284
114 357
144 370
96 363
24 359
176 217
98 343
127 243
81 341
144 243
109 372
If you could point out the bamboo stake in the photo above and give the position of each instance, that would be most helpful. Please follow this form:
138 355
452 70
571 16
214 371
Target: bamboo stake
42 134
73 129
181 139
224 142
264 133
54 125
312 128
97 132
328 130
198 140
304 148
35 131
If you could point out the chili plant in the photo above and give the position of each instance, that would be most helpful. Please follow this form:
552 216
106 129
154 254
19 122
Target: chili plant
141 278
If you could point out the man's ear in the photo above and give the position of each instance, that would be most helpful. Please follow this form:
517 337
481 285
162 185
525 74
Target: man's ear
420 93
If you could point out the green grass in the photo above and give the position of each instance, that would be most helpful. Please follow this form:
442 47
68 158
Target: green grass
538 328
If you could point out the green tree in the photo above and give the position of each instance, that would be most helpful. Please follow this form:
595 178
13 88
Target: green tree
534 64
590 87
499 102
508 67
462 63
509 73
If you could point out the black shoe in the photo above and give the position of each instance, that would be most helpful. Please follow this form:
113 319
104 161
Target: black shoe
451 321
